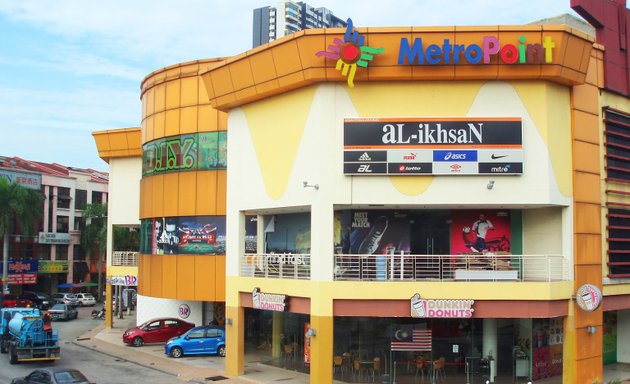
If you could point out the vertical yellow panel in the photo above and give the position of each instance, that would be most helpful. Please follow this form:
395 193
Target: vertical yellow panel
207 118
155 265
187 193
206 193
150 102
222 121
220 278
143 131
189 91
144 105
188 120
205 277
157 206
185 277
171 189
143 276
203 95
221 192
235 336
158 125
146 197
160 97
322 349
171 127
172 94
149 134
169 269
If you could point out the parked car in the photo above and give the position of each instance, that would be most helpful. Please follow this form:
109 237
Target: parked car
53 375
12 301
63 312
65 298
85 299
40 300
156 331
208 339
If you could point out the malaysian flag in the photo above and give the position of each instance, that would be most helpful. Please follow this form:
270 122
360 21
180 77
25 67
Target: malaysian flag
407 339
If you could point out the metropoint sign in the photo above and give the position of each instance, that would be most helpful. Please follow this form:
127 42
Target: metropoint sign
448 53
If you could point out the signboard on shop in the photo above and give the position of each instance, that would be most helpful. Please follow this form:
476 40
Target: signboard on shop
28 180
127 280
22 271
269 301
53 238
53 266
441 309
433 146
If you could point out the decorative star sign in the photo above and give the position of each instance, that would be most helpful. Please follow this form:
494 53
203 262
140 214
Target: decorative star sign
350 53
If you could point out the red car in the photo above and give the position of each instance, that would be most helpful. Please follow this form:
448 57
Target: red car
12 301
156 331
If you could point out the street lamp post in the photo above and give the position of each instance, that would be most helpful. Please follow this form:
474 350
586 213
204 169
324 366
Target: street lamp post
5 264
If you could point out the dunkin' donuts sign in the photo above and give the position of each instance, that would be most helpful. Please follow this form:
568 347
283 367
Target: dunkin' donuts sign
588 297
441 309
269 301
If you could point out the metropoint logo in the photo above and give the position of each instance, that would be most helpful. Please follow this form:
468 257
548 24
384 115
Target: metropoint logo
350 53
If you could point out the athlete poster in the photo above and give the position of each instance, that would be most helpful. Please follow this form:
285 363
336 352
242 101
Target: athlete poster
478 231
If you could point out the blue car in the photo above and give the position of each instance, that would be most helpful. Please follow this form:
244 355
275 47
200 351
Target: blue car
208 339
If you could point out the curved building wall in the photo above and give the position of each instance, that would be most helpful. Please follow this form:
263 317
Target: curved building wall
175 110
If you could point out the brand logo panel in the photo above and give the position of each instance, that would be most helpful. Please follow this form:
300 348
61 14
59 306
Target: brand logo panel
454 156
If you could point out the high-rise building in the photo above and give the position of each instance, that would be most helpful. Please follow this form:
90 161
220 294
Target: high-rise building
271 23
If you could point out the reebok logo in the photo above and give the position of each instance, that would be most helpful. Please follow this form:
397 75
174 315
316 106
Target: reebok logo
494 157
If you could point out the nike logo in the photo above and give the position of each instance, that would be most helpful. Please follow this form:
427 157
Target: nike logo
494 157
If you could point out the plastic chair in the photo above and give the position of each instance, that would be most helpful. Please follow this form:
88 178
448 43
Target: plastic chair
338 364
357 368
376 367
438 368
419 367
288 351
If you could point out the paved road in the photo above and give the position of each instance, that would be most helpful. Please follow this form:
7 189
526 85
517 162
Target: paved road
99 368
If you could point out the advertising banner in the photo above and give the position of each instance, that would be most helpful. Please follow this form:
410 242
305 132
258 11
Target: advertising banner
22 278
21 266
207 150
443 146
289 233
307 344
200 235
480 231
375 232
53 266
548 337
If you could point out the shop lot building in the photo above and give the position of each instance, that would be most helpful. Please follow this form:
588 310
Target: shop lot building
386 195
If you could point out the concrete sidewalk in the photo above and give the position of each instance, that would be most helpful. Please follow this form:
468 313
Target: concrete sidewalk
194 369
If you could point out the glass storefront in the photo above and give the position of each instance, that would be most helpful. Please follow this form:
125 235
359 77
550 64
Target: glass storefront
407 350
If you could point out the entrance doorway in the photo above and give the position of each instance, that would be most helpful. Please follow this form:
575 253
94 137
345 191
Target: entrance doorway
430 232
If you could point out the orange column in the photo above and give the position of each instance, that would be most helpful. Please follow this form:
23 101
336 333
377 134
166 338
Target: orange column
583 351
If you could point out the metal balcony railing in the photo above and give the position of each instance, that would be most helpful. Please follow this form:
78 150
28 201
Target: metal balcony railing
295 266
405 267
123 258
483 267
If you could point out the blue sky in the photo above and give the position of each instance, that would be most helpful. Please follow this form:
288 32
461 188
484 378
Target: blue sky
71 67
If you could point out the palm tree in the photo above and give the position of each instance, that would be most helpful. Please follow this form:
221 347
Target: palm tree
94 236
19 205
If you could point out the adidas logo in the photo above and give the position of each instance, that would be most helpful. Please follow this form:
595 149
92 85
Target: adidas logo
365 157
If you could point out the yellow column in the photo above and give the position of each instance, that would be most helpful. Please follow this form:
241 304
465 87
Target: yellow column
276 335
235 341
109 319
322 349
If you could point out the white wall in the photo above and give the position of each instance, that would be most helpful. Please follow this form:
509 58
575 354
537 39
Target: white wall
319 160
623 336
150 308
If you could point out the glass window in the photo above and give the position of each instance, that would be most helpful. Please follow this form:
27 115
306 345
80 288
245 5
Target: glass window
196 334
78 224
97 197
214 333
78 253
63 197
63 224
62 252
80 199
171 323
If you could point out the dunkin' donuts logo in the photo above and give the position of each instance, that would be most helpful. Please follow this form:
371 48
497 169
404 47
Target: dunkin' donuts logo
269 301
588 297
